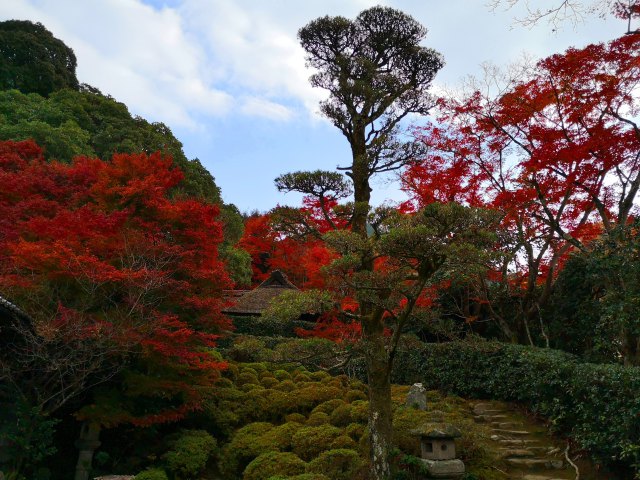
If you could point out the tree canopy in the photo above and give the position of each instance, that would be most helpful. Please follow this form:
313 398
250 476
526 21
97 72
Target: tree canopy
32 60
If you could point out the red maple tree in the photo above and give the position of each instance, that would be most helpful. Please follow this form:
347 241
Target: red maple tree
120 278
557 154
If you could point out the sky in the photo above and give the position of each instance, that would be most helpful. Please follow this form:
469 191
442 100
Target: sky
229 77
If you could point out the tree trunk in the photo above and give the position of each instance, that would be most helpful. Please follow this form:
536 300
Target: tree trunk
630 349
380 416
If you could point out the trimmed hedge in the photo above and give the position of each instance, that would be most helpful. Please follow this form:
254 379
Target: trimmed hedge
597 405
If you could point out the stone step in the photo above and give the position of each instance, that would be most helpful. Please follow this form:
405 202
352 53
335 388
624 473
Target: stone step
506 425
516 453
535 463
490 418
486 408
539 477
510 433
513 442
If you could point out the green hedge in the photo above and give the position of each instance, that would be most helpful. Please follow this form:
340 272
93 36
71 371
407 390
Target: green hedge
596 405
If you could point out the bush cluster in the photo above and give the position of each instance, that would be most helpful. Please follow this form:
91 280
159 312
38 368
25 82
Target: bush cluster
596 405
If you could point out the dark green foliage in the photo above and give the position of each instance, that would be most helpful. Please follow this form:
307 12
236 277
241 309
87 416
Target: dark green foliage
596 405
309 442
264 328
26 435
152 474
271 463
598 292
32 60
70 123
189 453
340 464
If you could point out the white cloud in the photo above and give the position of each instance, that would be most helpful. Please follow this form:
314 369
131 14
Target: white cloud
259 107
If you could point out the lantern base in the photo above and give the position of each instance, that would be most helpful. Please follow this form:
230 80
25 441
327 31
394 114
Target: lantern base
444 469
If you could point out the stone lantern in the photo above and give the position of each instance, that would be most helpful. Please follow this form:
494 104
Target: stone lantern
438 448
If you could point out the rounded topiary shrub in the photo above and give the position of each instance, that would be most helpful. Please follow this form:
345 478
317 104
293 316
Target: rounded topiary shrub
269 382
308 442
189 453
272 464
282 375
244 446
341 416
152 474
360 411
353 395
247 377
329 406
344 441
318 418
339 464
355 430
295 417
286 386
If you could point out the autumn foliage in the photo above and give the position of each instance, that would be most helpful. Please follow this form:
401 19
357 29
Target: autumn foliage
556 153
99 253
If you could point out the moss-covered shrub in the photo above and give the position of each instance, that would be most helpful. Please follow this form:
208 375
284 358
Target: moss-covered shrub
189 453
269 382
271 464
341 416
308 442
286 386
247 377
295 417
339 464
353 395
152 474
344 441
360 411
282 375
319 375
243 447
355 430
317 418
328 406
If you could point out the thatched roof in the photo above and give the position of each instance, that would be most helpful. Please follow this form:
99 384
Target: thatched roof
254 302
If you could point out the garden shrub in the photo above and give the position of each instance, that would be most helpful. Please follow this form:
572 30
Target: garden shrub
353 395
341 415
360 411
355 430
328 406
308 442
247 377
189 453
270 464
295 417
344 441
317 418
152 474
269 382
339 464
243 447
282 375
286 386
596 405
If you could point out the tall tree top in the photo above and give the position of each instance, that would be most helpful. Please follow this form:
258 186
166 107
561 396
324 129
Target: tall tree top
373 66
32 60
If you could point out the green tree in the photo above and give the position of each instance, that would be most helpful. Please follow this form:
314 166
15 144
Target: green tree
32 60
376 73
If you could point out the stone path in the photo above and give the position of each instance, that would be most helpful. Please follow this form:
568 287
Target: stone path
525 446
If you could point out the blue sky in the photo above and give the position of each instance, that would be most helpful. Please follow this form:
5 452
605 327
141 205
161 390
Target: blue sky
228 76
